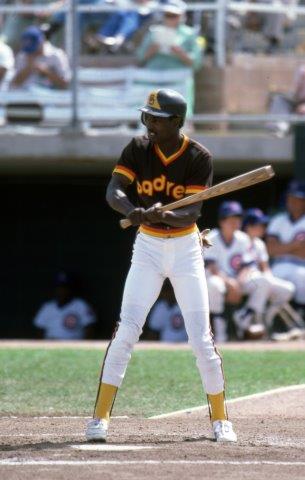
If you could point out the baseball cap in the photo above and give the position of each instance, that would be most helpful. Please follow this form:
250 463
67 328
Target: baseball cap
176 7
31 39
255 216
230 209
296 188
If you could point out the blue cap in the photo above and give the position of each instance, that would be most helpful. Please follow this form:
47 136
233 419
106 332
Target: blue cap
296 188
230 209
255 216
31 40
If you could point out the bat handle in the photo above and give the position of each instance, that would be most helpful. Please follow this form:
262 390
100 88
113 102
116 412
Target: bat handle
125 223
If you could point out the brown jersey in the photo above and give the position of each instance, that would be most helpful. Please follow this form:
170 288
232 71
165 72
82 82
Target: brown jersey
165 179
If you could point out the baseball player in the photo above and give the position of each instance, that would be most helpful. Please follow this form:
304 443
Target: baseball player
286 241
166 317
165 165
67 317
280 291
233 270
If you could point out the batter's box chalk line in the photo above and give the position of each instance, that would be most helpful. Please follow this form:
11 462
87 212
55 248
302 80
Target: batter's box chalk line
234 400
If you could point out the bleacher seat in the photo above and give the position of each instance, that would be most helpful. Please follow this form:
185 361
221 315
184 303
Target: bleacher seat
105 95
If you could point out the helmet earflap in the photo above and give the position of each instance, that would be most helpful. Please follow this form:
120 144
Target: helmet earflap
143 119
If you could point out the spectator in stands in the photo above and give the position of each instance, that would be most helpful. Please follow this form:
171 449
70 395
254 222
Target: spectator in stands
273 25
286 242
6 64
67 317
166 317
39 63
172 45
16 23
122 25
287 103
86 19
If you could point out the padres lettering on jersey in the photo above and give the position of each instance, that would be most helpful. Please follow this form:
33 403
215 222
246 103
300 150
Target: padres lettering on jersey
165 179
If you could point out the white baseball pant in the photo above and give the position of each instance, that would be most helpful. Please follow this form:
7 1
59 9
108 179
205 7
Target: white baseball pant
294 273
260 288
154 259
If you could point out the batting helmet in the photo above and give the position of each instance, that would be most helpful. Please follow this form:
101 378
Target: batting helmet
165 103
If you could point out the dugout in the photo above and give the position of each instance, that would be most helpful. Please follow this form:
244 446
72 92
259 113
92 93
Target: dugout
50 222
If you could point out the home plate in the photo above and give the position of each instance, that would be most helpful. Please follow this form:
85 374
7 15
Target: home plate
109 448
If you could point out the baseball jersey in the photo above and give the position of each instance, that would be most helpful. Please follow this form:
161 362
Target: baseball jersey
167 319
259 250
65 322
286 230
165 179
229 257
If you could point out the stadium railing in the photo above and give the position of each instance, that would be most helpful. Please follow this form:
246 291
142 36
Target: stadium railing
104 95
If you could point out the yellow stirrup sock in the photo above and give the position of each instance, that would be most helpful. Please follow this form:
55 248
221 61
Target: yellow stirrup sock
105 399
218 409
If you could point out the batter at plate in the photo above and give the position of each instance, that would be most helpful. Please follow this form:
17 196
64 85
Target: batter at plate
165 165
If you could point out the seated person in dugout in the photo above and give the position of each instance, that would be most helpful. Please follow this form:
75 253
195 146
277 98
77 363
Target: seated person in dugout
166 319
232 272
66 317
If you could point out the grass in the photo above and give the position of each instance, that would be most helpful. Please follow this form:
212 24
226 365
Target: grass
64 381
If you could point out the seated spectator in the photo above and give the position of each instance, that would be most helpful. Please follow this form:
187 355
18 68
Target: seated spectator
67 317
286 103
172 45
39 63
86 19
286 242
15 23
166 317
232 272
254 224
6 64
273 25
122 25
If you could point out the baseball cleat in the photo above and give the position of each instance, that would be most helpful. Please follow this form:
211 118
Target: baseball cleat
223 431
97 430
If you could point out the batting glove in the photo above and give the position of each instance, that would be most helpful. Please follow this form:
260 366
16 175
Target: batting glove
206 242
136 216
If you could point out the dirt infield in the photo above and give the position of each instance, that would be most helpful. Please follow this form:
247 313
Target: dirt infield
271 445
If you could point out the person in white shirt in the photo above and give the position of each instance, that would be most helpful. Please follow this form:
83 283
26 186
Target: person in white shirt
39 63
286 241
281 291
233 272
66 317
7 63
166 317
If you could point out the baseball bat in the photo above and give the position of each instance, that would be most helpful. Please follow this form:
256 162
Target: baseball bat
236 183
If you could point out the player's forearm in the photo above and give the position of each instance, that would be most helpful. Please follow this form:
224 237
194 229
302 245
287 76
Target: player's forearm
118 200
182 217
275 247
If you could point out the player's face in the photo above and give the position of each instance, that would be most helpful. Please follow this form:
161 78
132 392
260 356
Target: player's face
230 225
256 230
295 206
159 129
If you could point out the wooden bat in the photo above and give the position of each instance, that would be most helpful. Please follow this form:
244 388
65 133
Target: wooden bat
236 183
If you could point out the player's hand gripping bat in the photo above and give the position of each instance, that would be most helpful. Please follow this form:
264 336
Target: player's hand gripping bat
235 183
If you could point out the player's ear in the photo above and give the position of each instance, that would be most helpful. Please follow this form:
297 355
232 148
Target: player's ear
176 121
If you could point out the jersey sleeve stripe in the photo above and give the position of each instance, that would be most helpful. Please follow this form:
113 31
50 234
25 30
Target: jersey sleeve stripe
195 188
125 171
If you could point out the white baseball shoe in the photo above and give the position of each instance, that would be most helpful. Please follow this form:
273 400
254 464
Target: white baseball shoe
223 431
97 430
